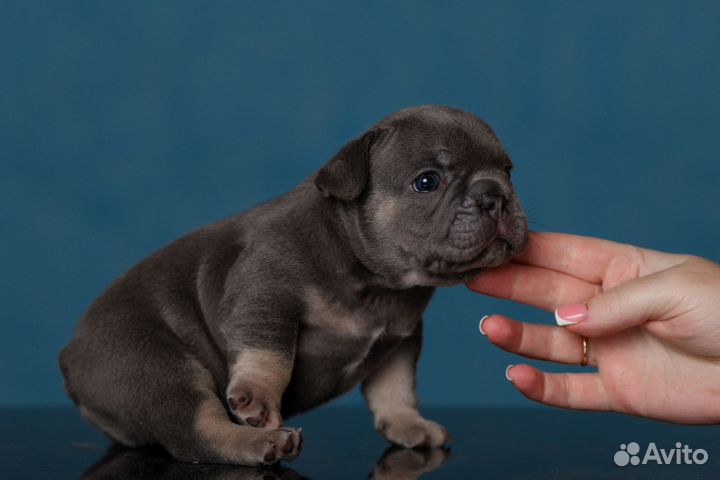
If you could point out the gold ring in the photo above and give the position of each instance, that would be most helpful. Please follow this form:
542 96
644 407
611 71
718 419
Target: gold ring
585 351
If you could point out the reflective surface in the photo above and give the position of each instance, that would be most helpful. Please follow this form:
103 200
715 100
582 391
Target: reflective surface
341 443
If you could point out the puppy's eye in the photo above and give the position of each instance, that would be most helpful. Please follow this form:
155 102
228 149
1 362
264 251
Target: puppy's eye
426 182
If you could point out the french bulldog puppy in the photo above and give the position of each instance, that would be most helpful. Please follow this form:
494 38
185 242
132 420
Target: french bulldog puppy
207 345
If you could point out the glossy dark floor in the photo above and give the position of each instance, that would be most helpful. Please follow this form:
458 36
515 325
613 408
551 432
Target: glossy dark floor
341 443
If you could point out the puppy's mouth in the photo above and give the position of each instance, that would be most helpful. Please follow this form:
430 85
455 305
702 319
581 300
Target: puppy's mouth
496 252
468 252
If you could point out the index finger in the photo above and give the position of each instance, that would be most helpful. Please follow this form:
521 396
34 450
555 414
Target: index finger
536 286
586 258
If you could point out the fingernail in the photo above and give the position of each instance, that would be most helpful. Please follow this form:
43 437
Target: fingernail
571 314
480 324
507 373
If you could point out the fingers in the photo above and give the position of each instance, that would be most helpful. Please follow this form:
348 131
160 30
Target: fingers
583 391
534 286
559 269
583 257
541 342
633 303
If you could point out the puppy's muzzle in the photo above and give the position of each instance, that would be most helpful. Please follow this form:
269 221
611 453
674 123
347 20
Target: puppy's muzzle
489 197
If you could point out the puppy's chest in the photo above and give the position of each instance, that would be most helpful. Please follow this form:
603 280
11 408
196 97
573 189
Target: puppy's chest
351 330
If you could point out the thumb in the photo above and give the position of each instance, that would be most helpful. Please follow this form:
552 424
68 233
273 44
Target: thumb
629 304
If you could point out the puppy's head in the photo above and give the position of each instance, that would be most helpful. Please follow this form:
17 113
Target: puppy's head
426 197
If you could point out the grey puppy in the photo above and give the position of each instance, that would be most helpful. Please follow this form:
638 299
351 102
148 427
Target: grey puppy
208 344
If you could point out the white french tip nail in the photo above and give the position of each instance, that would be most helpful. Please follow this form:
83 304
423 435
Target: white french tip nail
562 322
480 324
507 373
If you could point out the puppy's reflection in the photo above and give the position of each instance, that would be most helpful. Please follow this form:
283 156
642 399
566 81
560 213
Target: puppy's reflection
135 463
405 464
142 463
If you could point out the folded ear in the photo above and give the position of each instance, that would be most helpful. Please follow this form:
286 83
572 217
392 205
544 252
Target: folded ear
346 174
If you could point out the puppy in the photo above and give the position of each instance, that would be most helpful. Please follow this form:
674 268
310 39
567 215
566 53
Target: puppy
208 344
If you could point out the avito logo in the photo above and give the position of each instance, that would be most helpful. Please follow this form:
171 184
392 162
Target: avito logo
680 455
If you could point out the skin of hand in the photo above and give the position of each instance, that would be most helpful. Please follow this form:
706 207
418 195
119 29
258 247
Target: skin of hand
652 320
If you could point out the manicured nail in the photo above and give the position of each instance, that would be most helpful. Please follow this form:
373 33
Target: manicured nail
507 373
480 324
571 314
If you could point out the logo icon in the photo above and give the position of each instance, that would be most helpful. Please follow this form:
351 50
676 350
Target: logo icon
629 454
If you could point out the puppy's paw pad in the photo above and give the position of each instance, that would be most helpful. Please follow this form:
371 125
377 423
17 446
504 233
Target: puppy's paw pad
282 444
239 399
251 407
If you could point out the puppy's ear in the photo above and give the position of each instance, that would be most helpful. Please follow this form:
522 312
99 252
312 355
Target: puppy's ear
346 174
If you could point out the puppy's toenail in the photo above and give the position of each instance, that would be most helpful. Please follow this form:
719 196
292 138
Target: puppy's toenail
269 456
253 421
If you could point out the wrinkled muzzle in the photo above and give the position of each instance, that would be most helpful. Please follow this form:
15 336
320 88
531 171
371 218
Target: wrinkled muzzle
489 227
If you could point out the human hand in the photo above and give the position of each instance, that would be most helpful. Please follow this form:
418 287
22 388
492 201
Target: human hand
652 320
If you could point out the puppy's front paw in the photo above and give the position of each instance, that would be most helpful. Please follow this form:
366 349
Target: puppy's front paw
410 430
282 444
253 405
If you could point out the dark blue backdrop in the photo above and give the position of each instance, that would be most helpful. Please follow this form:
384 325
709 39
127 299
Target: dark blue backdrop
125 124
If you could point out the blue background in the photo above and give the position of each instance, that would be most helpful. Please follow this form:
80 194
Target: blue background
125 124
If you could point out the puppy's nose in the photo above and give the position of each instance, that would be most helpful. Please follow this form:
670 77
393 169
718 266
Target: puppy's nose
489 196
